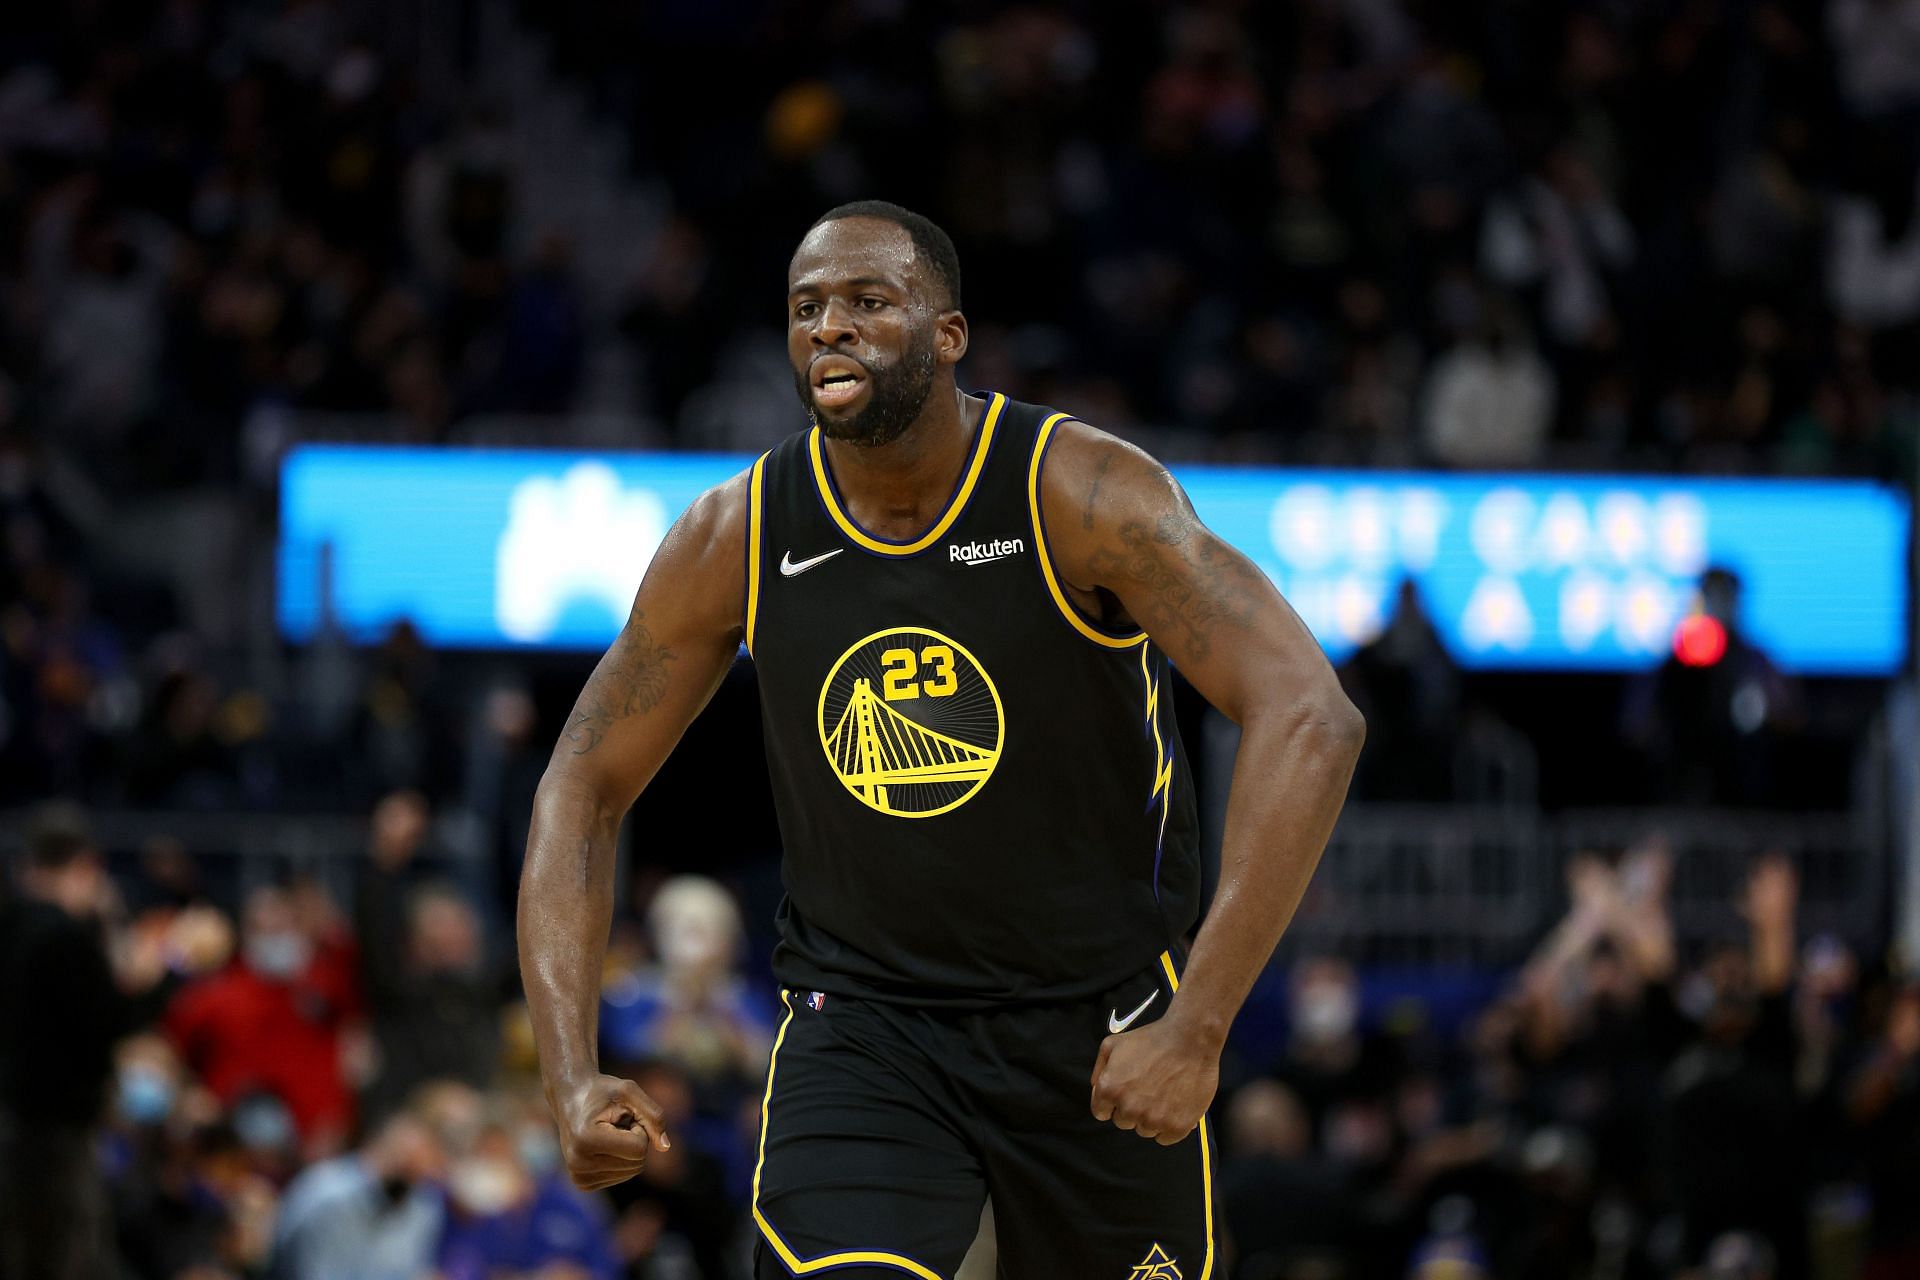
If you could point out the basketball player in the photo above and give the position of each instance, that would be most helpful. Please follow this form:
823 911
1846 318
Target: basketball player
961 610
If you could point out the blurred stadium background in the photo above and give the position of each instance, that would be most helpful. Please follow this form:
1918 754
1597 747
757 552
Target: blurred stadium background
1561 362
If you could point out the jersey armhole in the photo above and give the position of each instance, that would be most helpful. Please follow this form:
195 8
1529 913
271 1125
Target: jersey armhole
1088 627
755 488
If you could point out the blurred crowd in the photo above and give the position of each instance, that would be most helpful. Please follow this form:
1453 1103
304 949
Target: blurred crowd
1619 1110
1478 234
269 1082
197 1085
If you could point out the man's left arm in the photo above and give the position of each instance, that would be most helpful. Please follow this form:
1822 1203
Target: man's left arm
1125 538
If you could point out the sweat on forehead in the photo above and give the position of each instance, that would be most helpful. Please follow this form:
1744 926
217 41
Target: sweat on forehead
876 239
853 249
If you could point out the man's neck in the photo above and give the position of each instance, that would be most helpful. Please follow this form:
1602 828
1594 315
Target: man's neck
897 489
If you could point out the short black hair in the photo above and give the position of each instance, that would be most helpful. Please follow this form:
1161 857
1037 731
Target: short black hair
933 244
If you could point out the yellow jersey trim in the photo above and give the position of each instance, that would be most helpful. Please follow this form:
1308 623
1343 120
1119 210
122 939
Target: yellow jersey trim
1162 762
755 485
880 546
1206 1144
871 1257
1067 608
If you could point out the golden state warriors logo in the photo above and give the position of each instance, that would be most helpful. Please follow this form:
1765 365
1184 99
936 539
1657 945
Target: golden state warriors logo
910 722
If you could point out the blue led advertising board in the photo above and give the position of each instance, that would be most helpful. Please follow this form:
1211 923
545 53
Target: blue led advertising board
526 548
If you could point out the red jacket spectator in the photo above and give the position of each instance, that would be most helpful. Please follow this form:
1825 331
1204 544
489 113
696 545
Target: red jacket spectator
273 1020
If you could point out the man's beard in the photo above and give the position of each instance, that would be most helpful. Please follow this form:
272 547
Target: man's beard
895 395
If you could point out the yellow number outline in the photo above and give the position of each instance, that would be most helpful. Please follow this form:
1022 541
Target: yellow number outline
897 685
947 680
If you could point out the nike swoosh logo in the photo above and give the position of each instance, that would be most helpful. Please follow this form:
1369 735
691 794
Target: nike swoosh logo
788 567
1116 1024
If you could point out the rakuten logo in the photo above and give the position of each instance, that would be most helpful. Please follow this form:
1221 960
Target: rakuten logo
972 553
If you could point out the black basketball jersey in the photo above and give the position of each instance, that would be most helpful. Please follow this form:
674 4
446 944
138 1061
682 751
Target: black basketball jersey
981 790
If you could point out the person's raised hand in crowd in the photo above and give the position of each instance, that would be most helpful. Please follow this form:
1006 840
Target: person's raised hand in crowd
1549 988
1642 922
194 940
1591 894
1593 890
199 939
1770 903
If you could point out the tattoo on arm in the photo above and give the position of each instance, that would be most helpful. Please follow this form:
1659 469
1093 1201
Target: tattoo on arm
1192 584
1086 516
630 680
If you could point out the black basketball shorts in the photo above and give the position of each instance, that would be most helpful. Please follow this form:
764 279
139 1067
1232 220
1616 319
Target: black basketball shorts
884 1126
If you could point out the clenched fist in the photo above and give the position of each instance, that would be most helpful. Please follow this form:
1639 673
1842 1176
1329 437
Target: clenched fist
607 1125
1156 1081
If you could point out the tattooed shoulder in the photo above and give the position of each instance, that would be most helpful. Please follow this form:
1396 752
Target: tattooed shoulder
1179 580
630 680
1093 490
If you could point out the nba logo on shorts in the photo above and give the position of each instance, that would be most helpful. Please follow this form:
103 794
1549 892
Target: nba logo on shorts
816 1000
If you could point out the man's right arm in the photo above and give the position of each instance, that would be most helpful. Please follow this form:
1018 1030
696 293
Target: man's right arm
683 634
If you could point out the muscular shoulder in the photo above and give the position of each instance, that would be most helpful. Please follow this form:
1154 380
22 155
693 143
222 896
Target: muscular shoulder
701 564
1100 493
715 523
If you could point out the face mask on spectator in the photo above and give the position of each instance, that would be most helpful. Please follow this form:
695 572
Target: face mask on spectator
277 955
263 1123
1327 1013
484 1185
538 1150
695 925
146 1095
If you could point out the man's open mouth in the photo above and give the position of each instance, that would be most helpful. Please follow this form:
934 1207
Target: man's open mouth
837 380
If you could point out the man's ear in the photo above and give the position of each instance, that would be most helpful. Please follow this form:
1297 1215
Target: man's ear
950 337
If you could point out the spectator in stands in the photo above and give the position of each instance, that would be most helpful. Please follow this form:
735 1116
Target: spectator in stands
1342 1075
236 1200
1406 684
177 757
275 1020
431 993
373 1214
503 1219
1737 1080
504 759
1489 401
103 269
1287 1208
1712 717
1561 236
164 1225
677 1212
1883 1102
62 1007
1873 252
692 1008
